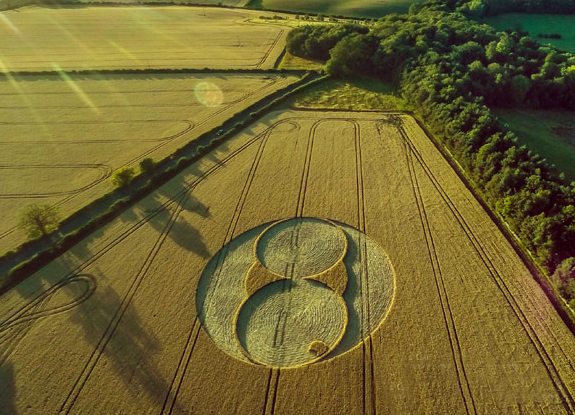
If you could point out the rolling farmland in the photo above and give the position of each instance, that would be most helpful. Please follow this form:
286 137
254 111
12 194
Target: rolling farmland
204 296
78 38
62 136
551 134
539 23
354 8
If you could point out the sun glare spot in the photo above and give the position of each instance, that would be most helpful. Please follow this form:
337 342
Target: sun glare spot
209 94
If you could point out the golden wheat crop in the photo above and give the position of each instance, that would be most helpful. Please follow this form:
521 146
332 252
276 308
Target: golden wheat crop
141 37
151 314
62 138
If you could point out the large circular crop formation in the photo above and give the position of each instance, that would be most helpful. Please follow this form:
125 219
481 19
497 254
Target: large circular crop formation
294 292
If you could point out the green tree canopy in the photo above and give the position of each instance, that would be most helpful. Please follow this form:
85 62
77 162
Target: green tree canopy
39 220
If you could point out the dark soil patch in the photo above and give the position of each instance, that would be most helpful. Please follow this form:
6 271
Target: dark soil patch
566 134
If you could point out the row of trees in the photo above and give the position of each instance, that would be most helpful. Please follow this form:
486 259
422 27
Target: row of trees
451 70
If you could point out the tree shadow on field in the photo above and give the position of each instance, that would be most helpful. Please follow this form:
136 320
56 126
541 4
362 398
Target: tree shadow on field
189 238
7 390
109 323
36 284
181 231
128 346
112 326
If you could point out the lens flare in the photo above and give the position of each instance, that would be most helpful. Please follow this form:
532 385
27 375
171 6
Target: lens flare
72 84
124 51
11 25
14 83
209 94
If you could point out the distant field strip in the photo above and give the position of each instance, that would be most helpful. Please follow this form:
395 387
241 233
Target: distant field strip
203 289
60 141
536 24
353 8
49 39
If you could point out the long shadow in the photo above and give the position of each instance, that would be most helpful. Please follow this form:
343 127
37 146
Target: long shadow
189 238
182 232
7 390
109 324
126 344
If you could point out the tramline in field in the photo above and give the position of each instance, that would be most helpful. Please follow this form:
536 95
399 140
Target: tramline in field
214 283
136 37
62 137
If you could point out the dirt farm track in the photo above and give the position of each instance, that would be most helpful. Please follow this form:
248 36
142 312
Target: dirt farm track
318 262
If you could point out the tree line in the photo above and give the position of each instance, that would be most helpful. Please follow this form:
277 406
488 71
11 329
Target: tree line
484 8
451 70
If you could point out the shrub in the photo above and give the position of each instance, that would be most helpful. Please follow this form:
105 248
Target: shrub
123 176
146 165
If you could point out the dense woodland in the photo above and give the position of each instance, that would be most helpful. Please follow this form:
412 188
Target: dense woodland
452 70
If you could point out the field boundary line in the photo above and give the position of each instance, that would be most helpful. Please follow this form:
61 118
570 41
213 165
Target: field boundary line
162 142
271 48
182 195
538 274
17 265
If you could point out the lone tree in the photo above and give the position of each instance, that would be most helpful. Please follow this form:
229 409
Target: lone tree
146 165
39 220
123 177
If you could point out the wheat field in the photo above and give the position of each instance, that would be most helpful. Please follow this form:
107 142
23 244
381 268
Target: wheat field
203 297
136 37
62 136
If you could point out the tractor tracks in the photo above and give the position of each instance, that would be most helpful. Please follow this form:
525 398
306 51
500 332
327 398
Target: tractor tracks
185 358
550 367
455 346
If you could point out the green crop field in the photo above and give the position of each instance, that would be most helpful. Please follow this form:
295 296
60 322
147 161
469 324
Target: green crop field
539 23
354 8
551 134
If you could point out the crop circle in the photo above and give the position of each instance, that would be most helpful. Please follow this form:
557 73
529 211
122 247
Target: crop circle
294 292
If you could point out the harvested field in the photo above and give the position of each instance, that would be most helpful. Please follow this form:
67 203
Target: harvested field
78 38
200 297
61 138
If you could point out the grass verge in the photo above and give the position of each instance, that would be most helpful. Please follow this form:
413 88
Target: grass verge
363 93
